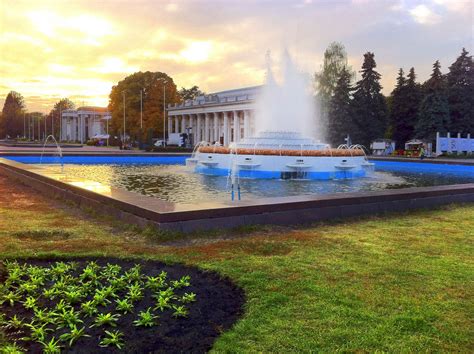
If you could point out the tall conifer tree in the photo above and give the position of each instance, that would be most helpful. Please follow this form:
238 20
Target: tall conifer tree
12 115
433 113
460 92
369 106
340 122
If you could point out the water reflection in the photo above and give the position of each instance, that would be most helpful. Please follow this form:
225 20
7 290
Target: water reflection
175 183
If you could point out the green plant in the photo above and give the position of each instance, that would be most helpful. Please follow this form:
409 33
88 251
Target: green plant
162 303
145 318
188 297
73 335
100 299
89 308
38 333
51 347
68 318
44 316
124 305
180 311
103 319
135 292
11 348
134 273
181 283
113 338
11 298
158 282
30 302
14 323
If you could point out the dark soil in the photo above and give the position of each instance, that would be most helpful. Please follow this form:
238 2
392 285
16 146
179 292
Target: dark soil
217 307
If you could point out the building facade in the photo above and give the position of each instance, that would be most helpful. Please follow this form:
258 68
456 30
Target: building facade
84 123
225 117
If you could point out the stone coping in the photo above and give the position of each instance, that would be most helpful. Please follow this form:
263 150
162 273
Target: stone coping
206 215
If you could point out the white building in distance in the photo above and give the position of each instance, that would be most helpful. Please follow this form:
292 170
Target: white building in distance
225 117
84 123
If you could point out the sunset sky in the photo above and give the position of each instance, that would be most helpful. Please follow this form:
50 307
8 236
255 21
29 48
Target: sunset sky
80 48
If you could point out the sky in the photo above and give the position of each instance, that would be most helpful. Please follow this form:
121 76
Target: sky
80 48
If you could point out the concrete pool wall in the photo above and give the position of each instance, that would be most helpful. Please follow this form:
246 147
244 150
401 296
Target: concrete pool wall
141 210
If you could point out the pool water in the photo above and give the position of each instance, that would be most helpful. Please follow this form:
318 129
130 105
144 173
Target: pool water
172 181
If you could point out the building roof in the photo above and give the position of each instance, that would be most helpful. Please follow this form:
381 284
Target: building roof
244 94
93 109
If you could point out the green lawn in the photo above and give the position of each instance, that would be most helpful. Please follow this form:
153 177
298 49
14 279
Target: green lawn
402 282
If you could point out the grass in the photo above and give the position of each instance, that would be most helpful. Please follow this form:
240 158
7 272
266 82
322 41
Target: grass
402 282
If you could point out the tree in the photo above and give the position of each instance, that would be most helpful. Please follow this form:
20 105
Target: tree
340 122
190 94
460 94
54 116
369 106
152 84
12 115
405 100
335 61
433 113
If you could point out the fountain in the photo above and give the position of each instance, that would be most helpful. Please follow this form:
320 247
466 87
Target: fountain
282 148
58 149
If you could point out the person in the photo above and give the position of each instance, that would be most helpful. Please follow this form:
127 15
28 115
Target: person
422 152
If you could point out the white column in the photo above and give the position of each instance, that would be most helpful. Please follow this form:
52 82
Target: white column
176 124
170 124
216 126
226 128
459 144
206 127
236 127
246 124
469 144
449 142
183 124
438 145
198 132
191 125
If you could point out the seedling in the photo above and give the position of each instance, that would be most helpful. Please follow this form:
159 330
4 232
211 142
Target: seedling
73 335
163 303
89 308
103 319
51 347
183 282
29 303
134 273
124 305
180 311
14 323
11 298
135 292
113 338
11 348
68 318
188 297
145 318
38 333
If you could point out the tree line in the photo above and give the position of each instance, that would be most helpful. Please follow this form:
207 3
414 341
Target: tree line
443 103
142 93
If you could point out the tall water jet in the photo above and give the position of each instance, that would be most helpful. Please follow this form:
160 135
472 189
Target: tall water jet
287 105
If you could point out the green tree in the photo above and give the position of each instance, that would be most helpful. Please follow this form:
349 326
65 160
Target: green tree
405 100
152 84
460 93
340 117
325 81
191 93
433 113
54 116
11 123
369 106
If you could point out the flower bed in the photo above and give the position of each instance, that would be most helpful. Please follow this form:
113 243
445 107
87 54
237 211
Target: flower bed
106 304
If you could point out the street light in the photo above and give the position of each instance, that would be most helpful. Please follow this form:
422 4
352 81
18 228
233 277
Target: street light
164 111
123 93
141 109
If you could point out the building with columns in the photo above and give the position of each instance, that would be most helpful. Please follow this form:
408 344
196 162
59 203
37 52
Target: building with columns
84 123
225 117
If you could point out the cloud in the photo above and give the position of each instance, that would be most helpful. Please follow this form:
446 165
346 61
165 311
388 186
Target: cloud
81 48
424 15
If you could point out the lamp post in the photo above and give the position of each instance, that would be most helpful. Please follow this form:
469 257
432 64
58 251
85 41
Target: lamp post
164 111
123 93
141 109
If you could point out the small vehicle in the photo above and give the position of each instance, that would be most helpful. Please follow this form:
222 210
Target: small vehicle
159 143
